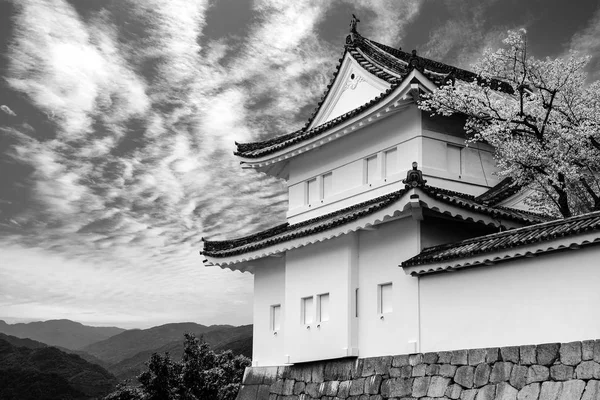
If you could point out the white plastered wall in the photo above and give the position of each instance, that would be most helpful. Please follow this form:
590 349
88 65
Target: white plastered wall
380 251
326 267
549 298
269 290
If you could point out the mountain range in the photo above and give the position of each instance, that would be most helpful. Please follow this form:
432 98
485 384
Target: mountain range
60 332
122 355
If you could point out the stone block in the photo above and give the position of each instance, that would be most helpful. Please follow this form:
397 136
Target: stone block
444 357
248 392
468 394
592 391
527 355
587 350
283 371
597 351
254 375
406 371
338 370
453 391
330 388
372 384
400 361
312 389
344 389
432 369
288 387
357 387
448 370
464 376
518 376
273 396
415 359
395 372
486 393
588 370
420 386
572 390
357 369
482 375
317 373
277 387
396 387
430 358
383 365
550 390
477 356
510 354
501 372
505 392
299 387
570 353
263 392
419 370
547 353
529 392
493 355
374 397
537 373
561 372
438 386
459 357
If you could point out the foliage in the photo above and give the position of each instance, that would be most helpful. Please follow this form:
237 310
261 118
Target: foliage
201 374
542 118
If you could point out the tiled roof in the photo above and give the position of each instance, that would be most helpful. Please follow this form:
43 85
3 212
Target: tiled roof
286 232
508 239
377 59
502 191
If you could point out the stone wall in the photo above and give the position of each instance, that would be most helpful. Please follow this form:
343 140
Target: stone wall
553 371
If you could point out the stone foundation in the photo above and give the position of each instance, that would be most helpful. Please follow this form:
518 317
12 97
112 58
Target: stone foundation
552 371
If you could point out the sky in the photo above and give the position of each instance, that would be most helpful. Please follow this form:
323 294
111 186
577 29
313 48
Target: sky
117 127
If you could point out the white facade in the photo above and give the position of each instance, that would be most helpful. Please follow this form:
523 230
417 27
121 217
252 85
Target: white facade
544 299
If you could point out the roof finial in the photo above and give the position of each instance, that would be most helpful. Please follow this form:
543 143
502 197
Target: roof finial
353 22
414 177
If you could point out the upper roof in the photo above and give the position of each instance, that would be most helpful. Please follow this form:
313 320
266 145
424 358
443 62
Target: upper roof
384 62
454 255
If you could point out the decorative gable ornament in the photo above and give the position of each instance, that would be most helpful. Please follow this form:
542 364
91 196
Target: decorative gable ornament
414 177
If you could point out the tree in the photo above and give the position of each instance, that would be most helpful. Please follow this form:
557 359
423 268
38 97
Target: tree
542 118
201 374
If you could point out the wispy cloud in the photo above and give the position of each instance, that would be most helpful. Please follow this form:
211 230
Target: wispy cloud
585 42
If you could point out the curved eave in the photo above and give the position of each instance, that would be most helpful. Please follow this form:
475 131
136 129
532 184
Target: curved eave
404 206
398 99
490 259
244 261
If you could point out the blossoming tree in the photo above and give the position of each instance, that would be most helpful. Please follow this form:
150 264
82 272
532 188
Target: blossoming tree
541 116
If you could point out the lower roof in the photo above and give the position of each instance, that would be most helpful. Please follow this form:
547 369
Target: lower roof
288 232
453 255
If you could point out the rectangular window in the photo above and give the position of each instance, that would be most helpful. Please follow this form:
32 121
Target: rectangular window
385 298
307 310
453 159
327 184
356 303
371 166
323 306
276 317
312 191
391 162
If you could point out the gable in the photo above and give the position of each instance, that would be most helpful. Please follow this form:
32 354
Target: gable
352 88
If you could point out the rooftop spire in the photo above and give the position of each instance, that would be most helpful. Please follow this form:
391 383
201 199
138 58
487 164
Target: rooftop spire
353 22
